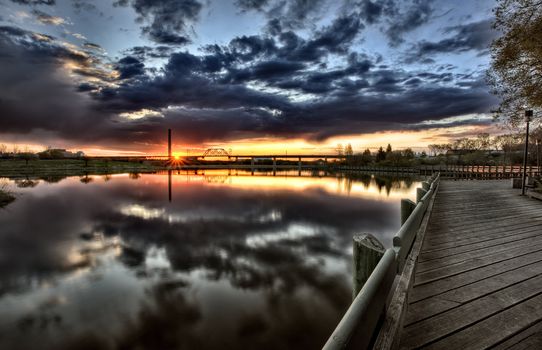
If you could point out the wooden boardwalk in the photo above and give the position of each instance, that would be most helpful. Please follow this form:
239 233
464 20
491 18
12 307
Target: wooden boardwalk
478 281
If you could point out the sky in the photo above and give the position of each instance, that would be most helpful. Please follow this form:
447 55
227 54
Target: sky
110 77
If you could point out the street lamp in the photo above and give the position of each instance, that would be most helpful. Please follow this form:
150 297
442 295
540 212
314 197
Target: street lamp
538 156
528 116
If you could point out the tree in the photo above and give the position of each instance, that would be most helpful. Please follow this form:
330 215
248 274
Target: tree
433 148
388 149
483 142
348 151
366 156
3 148
408 153
339 149
380 155
516 68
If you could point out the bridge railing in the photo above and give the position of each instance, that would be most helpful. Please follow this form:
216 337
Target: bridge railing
360 324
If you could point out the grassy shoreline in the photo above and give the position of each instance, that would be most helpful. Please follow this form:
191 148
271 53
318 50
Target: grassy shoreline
5 198
38 168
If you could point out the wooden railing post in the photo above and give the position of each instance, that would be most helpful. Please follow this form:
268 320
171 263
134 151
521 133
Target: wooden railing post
367 252
420 192
426 185
407 207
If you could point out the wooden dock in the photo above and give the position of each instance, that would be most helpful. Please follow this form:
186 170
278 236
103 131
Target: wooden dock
478 280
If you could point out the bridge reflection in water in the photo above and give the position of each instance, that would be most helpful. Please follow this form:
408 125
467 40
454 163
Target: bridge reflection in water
363 184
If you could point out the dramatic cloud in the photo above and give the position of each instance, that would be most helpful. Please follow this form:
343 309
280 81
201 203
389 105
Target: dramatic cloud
45 18
372 11
310 70
168 19
292 14
473 36
35 75
34 2
417 14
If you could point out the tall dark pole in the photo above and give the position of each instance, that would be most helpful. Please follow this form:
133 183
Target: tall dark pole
538 156
169 184
169 143
528 116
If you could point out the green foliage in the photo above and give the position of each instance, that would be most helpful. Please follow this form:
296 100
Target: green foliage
380 155
516 68
348 151
51 154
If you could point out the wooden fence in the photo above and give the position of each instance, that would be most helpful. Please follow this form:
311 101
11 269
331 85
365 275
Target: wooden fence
452 171
360 324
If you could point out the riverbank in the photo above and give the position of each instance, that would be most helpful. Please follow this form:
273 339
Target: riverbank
5 198
71 167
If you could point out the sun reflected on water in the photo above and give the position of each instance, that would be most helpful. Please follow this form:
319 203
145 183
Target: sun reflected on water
113 257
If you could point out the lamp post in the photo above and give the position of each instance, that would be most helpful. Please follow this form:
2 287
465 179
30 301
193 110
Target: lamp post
538 156
528 116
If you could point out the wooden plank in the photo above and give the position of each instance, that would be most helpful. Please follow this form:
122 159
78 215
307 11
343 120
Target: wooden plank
492 331
439 229
480 265
474 263
430 330
453 297
479 253
465 223
519 340
480 238
442 253
483 208
423 291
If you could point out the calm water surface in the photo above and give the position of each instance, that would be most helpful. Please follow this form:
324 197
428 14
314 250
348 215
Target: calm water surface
228 262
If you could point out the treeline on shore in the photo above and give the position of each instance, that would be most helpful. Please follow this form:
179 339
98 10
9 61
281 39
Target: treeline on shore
483 149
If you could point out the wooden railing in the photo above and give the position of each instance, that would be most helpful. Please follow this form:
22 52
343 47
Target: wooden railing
359 326
479 171
451 171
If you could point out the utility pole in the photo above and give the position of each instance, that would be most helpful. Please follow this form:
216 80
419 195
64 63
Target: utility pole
528 116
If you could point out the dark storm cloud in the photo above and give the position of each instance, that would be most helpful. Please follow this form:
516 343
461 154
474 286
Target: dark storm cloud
475 36
35 95
169 20
85 5
142 52
247 5
372 11
278 84
34 2
130 66
293 14
416 14
333 39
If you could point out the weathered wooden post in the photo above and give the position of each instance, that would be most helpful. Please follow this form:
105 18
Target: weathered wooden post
367 252
426 185
407 207
420 192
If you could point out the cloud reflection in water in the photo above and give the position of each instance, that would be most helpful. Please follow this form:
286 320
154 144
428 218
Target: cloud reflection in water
250 262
